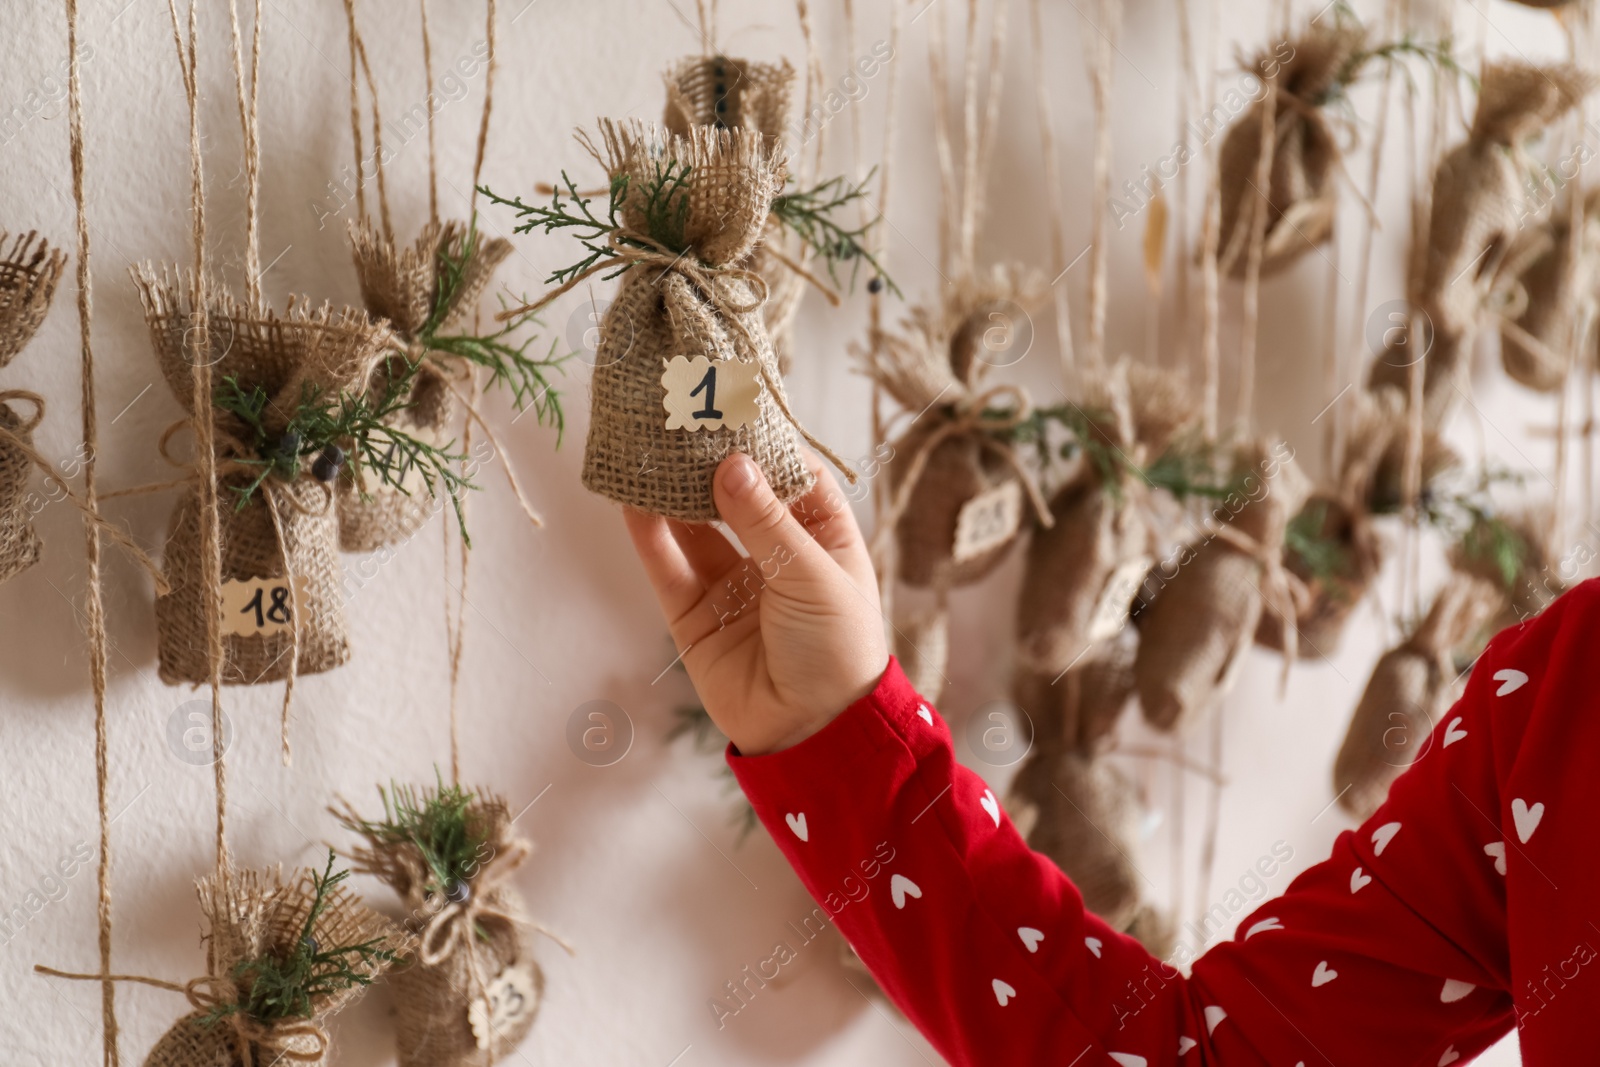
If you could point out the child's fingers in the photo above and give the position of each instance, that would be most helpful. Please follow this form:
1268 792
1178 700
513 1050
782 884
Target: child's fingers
673 577
767 529
826 515
710 553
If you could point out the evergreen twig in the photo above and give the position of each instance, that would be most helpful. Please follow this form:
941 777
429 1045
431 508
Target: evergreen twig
809 215
1187 468
274 987
436 822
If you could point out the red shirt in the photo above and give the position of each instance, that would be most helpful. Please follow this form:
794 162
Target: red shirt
1467 905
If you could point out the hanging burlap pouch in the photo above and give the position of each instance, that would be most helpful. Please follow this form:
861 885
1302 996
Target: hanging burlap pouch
251 915
19 543
1303 194
1083 813
281 578
1333 546
471 989
722 92
406 285
1194 630
957 485
1080 707
687 313
1511 552
1410 689
29 271
1083 572
1548 275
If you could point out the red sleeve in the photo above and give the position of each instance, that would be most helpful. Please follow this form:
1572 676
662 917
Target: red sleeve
1394 950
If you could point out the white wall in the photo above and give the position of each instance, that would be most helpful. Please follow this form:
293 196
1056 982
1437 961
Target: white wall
636 863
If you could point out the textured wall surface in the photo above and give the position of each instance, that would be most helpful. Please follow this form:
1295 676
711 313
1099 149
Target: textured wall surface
637 863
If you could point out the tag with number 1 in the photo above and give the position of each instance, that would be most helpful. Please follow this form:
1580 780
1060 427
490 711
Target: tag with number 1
707 394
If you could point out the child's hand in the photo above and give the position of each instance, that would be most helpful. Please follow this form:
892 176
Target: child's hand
778 642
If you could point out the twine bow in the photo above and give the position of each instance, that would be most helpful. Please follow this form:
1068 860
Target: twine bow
285 1038
451 928
972 415
639 250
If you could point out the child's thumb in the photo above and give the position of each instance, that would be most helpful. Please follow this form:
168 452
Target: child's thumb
763 524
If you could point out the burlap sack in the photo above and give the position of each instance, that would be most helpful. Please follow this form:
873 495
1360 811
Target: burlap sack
957 446
19 543
694 301
402 284
736 94
1549 274
1155 930
1388 494
29 271
466 950
1410 689
287 524
1538 579
1076 588
1195 628
1079 708
1478 195
1303 193
1445 360
249 915
1339 522
1084 815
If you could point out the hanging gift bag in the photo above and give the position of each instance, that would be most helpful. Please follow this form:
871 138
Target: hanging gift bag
1410 689
470 991
958 488
1303 193
281 592
1196 626
1549 274
282 957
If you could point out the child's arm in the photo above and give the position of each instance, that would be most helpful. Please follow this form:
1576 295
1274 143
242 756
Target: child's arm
1391 952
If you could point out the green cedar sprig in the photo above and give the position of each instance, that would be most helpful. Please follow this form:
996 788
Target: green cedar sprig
809 215
320 420
1187 468
1440 54
436 823
1324 557
286 987
505 357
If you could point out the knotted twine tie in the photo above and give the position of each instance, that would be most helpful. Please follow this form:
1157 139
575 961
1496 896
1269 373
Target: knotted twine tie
1282 591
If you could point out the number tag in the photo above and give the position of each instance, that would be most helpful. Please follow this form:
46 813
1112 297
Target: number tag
706 394
988 521
1111 612
260 605
506 1002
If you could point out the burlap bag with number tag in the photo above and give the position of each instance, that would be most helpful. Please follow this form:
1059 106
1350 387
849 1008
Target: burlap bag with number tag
1334 547
29 271
1083 572
956 463
1410 689
285 538
1512 553
470 991
722 92
407 286
1547 277
250 915
1195 628
1303 193
685 294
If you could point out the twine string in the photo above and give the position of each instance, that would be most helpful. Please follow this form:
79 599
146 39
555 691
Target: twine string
488 106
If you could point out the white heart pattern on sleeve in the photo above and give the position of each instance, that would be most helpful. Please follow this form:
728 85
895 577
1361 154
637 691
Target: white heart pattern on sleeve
1453 732
1186 1045
1214 1017
1359 880
1526 818
1497 849
1128 1059
1094 945
1262 927
901 887
927 716
1002 992
1454 990
1323 975
990 805
1382 836
1030 937
1450 1056
1510 681
797 823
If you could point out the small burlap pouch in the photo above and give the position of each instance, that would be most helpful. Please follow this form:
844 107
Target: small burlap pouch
1444 363
727 93
1410 689
252 915
470 991
1437 461
1512 553
29 271
284 540
1195 628
957 453
1548 275
19 543
1083 813
1080 707
1303 193
684 294
1478 194
1333 545
1082 573
423 289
